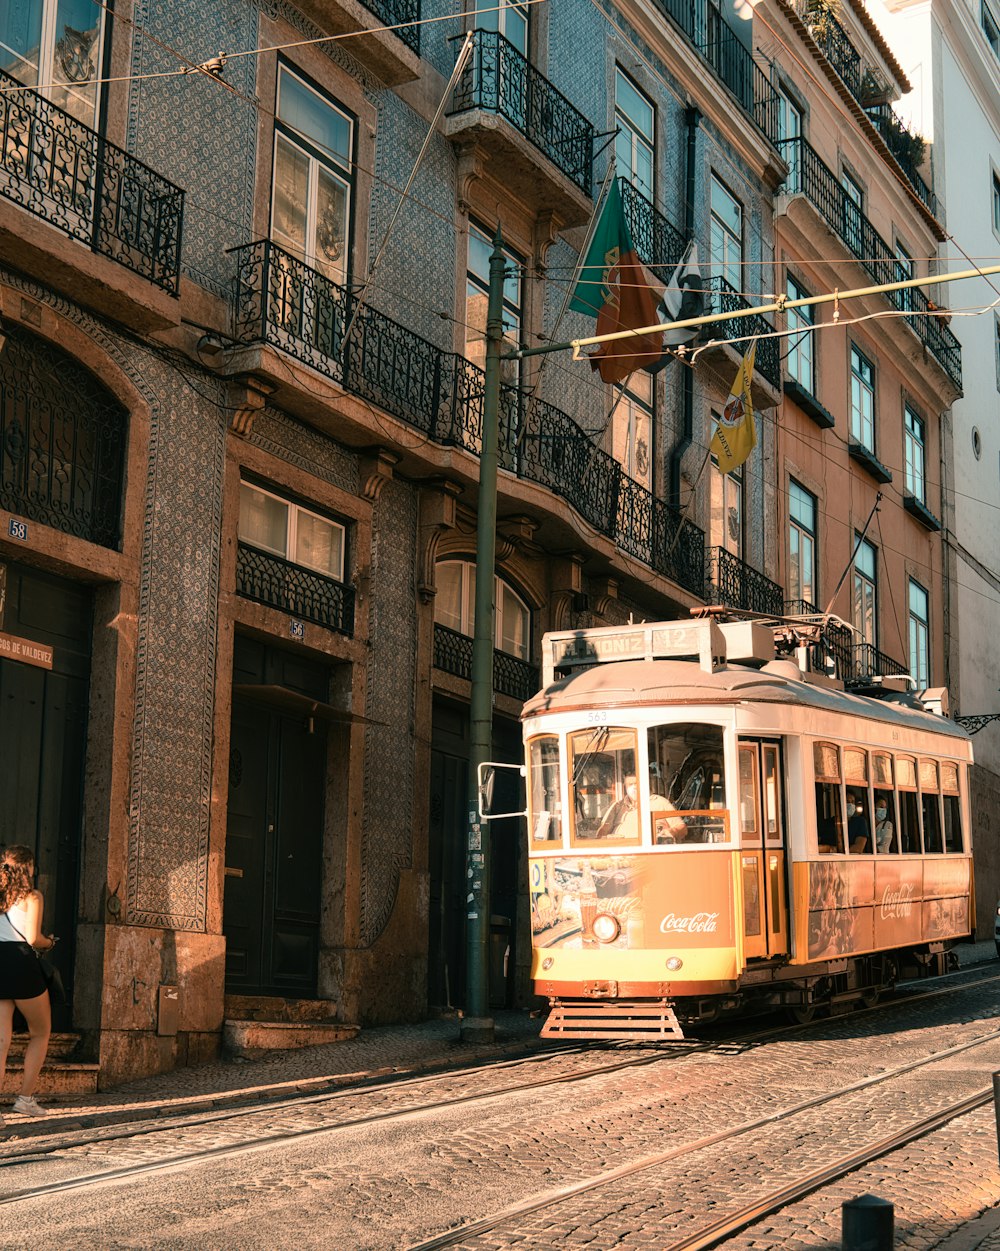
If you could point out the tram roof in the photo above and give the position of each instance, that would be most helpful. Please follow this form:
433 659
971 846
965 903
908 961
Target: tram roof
643 682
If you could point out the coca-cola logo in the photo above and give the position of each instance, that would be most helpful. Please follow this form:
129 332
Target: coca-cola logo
897 903
699 923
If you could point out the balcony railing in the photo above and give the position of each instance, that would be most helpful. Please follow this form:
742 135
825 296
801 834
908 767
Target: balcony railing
658 241
74 179
855 664
870 663
720 297
293 589
866 84
810 176
735 584
511 675
500 80
281 301
703 23
402 14
906 147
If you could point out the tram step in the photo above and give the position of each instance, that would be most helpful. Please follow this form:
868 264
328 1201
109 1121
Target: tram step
640 1022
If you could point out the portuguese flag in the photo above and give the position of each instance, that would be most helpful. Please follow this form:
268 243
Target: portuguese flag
615 287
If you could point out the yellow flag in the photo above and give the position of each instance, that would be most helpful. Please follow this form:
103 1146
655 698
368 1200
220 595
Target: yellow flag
736 434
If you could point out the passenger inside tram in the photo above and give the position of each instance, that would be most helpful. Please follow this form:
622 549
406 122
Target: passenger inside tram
883 825
859 834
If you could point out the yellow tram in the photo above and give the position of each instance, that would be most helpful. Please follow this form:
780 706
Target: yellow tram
711 829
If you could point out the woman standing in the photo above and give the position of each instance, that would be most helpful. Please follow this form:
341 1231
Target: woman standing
21 983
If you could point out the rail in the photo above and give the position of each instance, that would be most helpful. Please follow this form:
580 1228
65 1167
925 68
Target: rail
70 176
810 176
657 240
906 147
721 297
499 79
511 675
403 15
730 581
278 583
280 300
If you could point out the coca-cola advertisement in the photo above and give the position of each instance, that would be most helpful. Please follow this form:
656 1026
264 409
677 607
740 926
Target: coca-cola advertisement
614 902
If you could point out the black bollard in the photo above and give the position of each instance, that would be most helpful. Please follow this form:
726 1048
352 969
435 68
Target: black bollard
867 1224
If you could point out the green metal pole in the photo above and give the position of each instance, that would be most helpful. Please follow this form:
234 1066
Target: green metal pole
477 1024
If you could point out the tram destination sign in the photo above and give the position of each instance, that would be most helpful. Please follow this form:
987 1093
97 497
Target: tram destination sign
26 651
676 640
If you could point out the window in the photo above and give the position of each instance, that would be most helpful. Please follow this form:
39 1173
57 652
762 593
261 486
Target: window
904 271
55 45
991 27
799 361
635 119
286 529
996 203
477 288
632 429
801 544
865 593
829 804
884 808
862 400
913 454
790 129
853 204
951 798
455 607
604 801
511 20
919 634
930 807
726 236
687 783
909 813
727 509
311 202
544 802
996 346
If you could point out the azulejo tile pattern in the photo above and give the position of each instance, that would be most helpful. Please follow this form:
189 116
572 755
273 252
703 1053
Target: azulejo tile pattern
275 433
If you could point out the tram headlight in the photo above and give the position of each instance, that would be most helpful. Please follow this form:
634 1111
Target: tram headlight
606 927
548 962
675 963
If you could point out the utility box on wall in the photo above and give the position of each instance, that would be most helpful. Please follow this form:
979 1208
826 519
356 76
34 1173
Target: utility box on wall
168 1011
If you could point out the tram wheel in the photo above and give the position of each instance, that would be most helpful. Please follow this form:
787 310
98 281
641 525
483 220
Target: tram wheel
871 997
803 1013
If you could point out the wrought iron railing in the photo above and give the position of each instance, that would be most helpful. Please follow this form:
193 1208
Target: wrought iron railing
293 589
906 147
403 15
511 675
74 179
62 441
814 179
280 300
702 21
499 79
732 582
869 663
866 84
658 241
720 297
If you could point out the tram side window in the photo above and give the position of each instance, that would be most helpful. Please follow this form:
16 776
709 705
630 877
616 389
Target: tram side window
859 828
953 840
884 808
687 783
545 805
930 806
909 810
829 809
604 800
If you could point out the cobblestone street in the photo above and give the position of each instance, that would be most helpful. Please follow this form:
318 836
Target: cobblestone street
403 1135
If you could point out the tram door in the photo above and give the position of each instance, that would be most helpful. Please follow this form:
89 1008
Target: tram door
762 850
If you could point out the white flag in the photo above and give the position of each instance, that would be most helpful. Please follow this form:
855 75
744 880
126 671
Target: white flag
684 298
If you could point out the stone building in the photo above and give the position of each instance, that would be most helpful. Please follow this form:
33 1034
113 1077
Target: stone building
241 403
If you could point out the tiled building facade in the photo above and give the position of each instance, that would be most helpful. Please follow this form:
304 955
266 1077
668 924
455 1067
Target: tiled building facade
241 405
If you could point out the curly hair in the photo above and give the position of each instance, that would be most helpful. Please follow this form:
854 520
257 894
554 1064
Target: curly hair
16 873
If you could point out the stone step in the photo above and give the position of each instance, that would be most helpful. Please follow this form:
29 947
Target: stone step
61 1079
61 1047
276 1008
252 1038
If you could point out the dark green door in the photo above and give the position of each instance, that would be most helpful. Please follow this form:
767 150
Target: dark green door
274 841
43 732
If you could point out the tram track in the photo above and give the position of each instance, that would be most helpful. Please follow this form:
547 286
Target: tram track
111 1131
34 1151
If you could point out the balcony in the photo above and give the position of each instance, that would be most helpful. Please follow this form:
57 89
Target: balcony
836 653
710 35
733 583
906 148
393 53
283 302
866 84
870 663
513 113
720 297
811 177
293 589
68 175
658 241
511 675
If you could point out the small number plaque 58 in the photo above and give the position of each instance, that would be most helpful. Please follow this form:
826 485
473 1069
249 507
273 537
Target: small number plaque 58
18 529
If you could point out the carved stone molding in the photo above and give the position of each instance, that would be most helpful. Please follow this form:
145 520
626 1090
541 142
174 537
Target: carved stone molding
544 234
437 514
469 170
605 591
246 396
376 470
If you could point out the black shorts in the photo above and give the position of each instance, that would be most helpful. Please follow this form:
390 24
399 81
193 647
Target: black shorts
20 976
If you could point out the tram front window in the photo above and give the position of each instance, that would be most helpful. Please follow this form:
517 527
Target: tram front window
604 798
544 815
687 783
